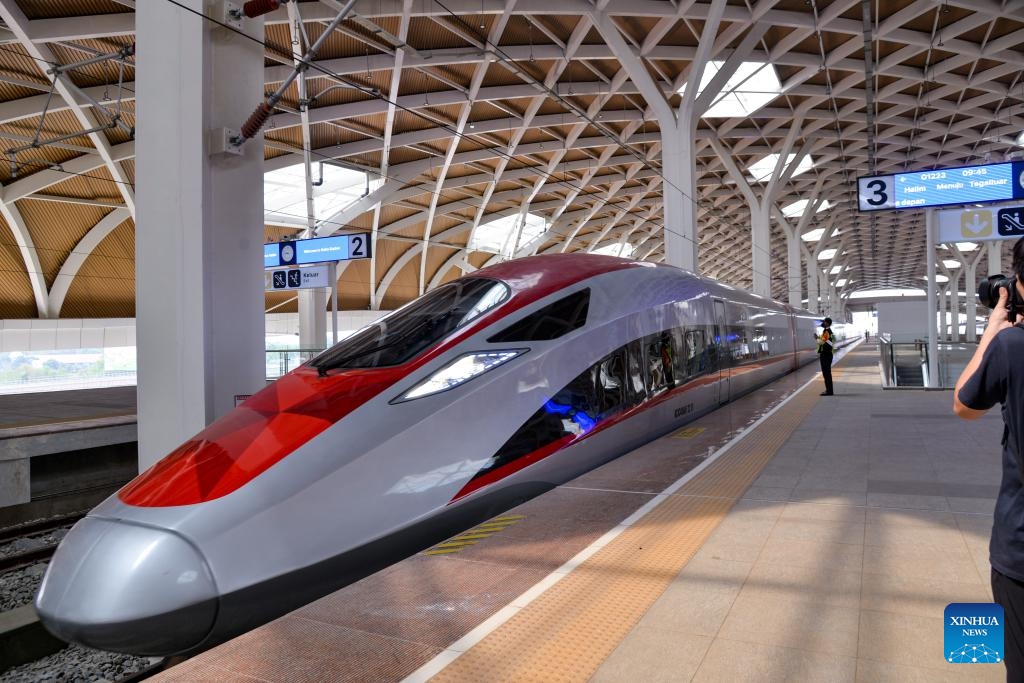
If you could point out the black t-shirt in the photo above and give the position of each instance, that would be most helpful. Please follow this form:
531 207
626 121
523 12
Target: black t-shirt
1000 379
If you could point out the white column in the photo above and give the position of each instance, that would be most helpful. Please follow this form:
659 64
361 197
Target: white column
995 259
970 288
678 164
954 305
812 283
943 317
760 239
199 234
933 339
312 318
793 270
823 292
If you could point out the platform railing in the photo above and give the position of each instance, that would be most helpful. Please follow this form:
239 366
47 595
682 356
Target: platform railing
905 365
282 361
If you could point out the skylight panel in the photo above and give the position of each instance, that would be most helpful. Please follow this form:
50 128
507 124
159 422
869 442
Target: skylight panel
879 293
798 207
842 282
761 170
624 250
813 235
836 270
826 254
966 246
951 263
754 85
505 235
284 193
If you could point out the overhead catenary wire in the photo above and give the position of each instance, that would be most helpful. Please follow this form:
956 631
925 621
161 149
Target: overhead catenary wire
498 52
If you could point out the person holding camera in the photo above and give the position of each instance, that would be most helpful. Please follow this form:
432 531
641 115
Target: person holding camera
994 375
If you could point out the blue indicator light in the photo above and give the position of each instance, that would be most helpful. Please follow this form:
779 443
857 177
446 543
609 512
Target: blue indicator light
585 422
556 408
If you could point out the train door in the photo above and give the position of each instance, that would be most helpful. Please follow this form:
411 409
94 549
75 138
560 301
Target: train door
722 351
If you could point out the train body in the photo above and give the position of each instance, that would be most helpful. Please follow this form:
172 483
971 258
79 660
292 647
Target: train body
479 395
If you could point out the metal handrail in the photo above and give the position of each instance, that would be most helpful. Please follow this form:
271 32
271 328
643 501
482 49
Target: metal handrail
282 361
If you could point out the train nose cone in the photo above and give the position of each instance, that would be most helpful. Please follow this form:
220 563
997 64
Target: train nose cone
115 585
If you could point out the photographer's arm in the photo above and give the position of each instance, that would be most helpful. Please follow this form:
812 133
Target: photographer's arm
996 322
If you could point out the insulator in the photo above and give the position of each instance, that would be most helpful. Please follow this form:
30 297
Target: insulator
256 120
256 8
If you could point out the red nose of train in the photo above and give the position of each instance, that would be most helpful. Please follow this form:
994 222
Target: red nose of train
253 437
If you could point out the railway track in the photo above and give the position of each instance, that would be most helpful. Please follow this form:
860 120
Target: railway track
16 560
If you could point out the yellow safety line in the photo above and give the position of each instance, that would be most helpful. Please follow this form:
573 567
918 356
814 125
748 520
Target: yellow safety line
570 629
454 542
688 433
462 536
485 530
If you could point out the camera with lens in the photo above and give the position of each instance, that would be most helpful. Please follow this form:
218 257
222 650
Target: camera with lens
988 294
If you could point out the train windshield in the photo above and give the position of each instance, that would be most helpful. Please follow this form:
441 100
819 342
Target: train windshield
402 335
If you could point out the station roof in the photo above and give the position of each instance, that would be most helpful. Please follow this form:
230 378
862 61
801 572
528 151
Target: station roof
485 109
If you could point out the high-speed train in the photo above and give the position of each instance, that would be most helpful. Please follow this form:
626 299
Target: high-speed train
469 400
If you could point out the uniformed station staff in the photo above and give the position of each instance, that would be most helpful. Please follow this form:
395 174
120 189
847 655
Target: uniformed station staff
826 342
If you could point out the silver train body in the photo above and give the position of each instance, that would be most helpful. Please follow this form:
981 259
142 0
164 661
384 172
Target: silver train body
157 573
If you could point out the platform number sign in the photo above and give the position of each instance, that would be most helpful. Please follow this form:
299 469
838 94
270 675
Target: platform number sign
358 246
876 192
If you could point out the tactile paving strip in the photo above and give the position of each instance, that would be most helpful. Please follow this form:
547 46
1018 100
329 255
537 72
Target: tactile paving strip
570 629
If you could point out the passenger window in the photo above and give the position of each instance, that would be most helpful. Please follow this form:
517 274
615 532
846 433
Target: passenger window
697 359
662 355
572 411
636 388
550 322
611 381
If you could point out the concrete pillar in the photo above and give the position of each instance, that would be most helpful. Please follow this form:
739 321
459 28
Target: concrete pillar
15 486
822 291
760 239
943 316
933 340
970 288
793 278
680 190
995 259
812 284
954 306
312 321
199 234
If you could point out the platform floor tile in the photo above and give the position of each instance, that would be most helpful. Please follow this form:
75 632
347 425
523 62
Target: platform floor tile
876 530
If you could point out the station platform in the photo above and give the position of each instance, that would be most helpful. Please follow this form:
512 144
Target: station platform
86 423
784 537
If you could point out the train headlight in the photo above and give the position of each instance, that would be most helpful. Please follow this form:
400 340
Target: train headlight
462 369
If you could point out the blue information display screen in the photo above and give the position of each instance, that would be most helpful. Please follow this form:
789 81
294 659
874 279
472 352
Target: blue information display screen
316 250
963 185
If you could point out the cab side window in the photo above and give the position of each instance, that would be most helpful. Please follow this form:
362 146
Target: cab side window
551 322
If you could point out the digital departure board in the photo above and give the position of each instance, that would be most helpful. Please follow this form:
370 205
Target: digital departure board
316 250
942 187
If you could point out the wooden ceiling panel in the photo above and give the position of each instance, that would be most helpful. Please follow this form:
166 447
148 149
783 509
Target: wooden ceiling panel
105 284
